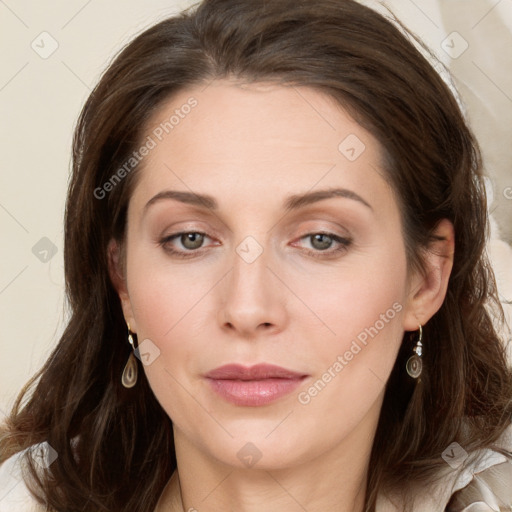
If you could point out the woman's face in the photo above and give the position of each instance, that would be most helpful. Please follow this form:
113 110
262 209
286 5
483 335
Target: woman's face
260 283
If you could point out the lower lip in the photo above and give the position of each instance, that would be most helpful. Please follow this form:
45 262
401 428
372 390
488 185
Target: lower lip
254 393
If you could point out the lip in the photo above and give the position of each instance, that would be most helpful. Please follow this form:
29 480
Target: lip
253 386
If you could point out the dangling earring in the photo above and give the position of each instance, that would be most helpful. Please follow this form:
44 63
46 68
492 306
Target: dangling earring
414 364
129 377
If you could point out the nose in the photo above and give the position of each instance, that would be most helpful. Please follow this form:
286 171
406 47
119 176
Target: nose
253 298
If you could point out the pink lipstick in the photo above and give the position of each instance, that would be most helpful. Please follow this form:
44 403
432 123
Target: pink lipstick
253 386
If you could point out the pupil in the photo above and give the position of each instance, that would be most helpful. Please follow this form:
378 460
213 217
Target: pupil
192 240
326 241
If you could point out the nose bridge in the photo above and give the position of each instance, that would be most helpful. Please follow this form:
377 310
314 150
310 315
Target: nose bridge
251 295
249 281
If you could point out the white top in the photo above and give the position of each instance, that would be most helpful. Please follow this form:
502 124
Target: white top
486 476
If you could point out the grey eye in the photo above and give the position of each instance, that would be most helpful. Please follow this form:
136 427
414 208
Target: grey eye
321 241
192 240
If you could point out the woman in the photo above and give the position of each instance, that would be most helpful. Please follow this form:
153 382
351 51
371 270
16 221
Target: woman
274 257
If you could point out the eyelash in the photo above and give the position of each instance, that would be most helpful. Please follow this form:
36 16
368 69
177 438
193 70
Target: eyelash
344 245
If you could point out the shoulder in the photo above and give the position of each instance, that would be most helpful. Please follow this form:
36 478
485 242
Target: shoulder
14 493
486 482
480 481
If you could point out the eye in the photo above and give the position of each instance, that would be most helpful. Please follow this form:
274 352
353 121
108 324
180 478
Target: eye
323 242
190 241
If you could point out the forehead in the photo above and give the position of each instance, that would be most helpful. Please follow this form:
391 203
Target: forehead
242 116
229 136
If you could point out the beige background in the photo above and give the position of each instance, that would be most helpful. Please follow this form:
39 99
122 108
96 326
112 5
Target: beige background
40 99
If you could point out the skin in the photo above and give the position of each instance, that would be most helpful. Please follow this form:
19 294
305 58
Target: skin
251 147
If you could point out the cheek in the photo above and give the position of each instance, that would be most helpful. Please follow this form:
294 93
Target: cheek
361 331
163 296
172 305
361 295
167 303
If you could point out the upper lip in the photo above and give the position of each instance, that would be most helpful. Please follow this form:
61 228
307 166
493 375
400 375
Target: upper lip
256 372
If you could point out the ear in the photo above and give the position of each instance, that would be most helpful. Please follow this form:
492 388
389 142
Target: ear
117 273
427 290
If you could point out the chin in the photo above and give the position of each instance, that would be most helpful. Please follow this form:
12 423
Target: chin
254 449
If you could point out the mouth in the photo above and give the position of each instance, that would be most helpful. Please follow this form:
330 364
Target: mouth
253 386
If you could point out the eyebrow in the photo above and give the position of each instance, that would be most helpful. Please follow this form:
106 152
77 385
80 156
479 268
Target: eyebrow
293 202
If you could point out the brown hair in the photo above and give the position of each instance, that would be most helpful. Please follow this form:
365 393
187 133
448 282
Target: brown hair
107 436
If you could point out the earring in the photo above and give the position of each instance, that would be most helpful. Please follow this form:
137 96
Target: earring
414 364
129 377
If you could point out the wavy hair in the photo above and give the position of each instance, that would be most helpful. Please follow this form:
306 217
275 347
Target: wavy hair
107 436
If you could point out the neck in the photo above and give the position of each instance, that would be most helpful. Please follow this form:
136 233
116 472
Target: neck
333 481
273 491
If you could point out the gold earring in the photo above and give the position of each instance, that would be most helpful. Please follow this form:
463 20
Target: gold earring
414 364
129 377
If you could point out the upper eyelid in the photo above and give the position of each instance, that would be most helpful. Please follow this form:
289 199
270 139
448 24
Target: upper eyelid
337 238
341 245
202 232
